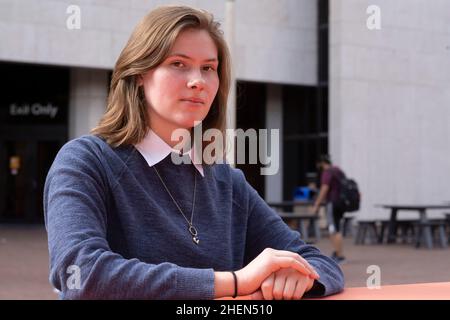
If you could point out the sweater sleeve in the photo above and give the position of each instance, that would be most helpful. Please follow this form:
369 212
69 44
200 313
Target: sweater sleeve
82 265
267 230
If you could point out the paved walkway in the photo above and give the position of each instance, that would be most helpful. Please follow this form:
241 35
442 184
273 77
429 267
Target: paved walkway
399 263
24 263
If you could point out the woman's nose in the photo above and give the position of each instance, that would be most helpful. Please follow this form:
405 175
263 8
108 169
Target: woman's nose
196 82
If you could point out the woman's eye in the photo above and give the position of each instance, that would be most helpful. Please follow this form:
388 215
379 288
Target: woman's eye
209 68
178 64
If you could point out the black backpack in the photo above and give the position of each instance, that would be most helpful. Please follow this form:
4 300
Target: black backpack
349 196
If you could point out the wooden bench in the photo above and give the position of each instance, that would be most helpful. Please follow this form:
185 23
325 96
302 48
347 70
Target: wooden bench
425 231
367 229
404 230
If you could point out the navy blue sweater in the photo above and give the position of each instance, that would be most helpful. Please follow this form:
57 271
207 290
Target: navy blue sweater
109 217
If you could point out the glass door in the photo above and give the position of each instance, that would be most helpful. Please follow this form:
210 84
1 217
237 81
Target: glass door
25 165
15 180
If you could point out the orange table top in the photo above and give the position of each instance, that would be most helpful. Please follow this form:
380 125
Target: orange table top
416 291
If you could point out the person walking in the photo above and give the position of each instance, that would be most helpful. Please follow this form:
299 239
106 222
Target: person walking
329 194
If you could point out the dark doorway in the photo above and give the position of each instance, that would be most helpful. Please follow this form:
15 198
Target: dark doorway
33 127
25 164
251 114
305 136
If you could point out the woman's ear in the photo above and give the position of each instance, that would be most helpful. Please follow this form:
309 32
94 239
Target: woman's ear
139 80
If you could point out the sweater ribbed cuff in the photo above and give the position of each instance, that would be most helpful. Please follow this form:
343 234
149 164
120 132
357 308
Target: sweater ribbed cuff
195 284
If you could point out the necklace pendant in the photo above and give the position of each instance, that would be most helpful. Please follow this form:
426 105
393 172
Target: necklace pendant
194 233
195 239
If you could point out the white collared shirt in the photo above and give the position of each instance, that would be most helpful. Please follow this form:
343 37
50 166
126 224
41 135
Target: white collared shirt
154 149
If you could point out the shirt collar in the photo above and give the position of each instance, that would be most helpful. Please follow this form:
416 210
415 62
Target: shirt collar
154 149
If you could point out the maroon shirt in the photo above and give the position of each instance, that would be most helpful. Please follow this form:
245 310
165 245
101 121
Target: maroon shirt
331 178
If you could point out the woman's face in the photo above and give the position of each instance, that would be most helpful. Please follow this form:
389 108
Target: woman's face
182 88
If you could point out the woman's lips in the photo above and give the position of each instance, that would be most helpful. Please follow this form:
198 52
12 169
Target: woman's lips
193 100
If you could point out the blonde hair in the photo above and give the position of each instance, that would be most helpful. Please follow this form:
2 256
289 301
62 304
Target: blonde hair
126 118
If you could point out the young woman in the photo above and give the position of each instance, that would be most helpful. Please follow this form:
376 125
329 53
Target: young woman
125 222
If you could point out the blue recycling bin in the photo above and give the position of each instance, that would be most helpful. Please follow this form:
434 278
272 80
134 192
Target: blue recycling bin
302 194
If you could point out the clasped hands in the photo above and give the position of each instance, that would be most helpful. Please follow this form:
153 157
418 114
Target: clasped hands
276 274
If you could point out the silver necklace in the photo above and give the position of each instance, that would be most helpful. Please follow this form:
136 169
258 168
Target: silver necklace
192 230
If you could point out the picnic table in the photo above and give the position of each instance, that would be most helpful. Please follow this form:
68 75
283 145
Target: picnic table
286 211
289 204
421 208
302 228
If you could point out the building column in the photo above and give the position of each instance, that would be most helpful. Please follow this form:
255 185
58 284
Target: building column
88 95
274 120
231 106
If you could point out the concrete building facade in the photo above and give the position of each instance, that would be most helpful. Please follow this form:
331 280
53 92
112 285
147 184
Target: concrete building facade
390 99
